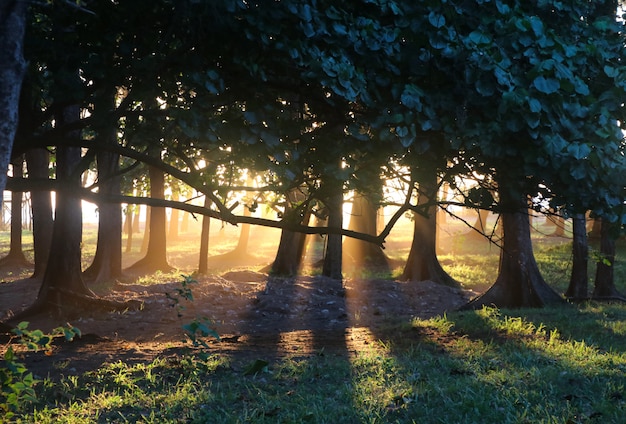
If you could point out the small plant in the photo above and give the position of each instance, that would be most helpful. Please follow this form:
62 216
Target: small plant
16 383
200 327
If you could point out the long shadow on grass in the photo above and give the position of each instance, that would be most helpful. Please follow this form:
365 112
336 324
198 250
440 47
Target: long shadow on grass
483 367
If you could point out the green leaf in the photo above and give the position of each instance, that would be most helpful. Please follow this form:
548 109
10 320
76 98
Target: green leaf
610 71
534 104
436 19
479 38
546 85
578 150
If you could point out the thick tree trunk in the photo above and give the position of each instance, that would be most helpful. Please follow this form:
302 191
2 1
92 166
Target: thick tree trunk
37 161
156 253
333 255
577 289
107 262
288 260
519 282
422 263
63 290
16 257
604 287
12 67
359 254
203 262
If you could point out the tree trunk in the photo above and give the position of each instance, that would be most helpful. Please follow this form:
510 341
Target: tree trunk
62 289
156 253
146 231
16 257
577 289
519 282
203 263
128 227
37 162
288 260
12 67
174 218
107 262
604 287
422 263
333 254
362 254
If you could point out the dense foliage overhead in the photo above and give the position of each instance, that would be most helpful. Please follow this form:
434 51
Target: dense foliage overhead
289 90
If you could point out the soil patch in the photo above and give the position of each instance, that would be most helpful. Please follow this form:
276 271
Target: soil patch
255 315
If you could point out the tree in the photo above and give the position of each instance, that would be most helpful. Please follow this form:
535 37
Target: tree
156 254
16 257
519 282
37 163
12 67
422 263
577 289
604 287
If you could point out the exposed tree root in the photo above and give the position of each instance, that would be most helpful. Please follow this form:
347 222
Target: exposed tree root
66 304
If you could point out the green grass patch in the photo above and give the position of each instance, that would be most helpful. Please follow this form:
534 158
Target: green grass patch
559 365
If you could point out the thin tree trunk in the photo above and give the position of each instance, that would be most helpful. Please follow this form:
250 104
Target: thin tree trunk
129 228
174 218
203 262
577 289
16 257
422 263
519 283
156 253
37 161
604 287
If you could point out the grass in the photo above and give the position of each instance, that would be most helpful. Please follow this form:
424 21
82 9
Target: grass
561 365
557 365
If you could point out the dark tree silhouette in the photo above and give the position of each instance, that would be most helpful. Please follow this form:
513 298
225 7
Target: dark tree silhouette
604 286
156 253
577 289
422 263
519 282
16 256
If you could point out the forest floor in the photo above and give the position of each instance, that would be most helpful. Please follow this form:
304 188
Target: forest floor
255 315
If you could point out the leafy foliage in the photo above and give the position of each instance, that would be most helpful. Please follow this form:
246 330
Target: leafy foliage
16 383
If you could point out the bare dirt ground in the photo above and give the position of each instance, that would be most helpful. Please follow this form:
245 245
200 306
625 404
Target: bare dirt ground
256 315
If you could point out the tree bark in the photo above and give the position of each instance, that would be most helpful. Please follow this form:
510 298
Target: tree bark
288 260
519 282
604 287
63 289
203 262
107 262
577 289
333 255
174 218
37 162
422 263
359 254
16 257
128 227
12 68
156 253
